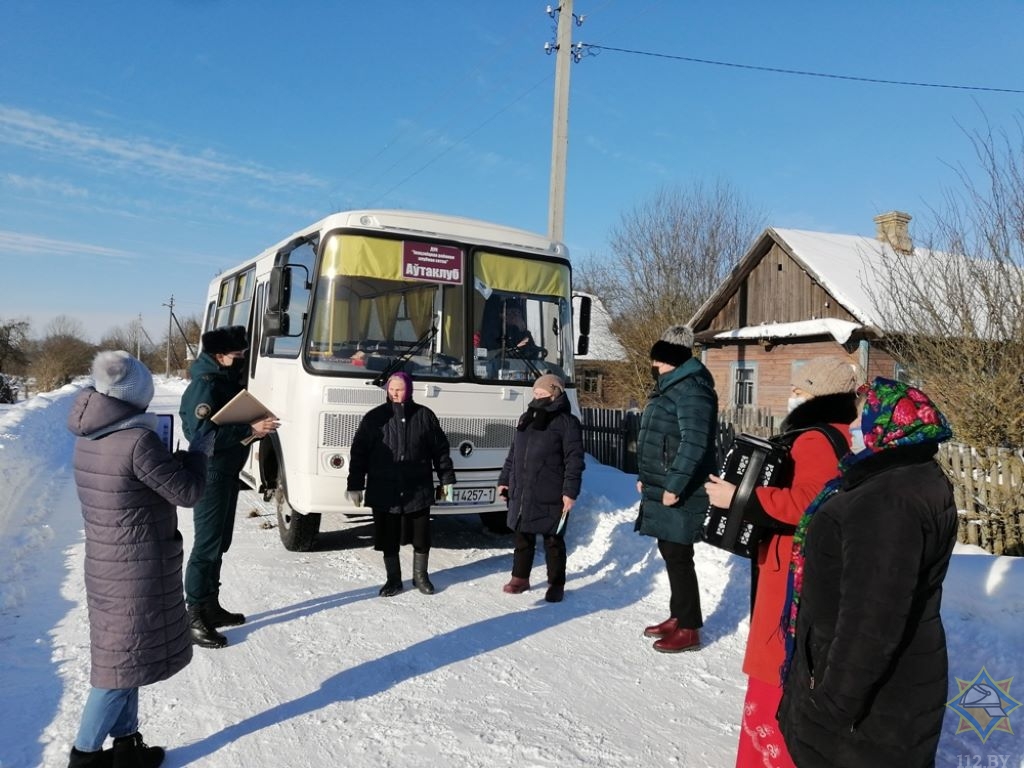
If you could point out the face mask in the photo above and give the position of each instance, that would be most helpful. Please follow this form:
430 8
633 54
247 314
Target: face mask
539 402
856 440
795 402
655 373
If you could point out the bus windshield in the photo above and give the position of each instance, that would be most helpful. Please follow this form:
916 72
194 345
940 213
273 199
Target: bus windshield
378 299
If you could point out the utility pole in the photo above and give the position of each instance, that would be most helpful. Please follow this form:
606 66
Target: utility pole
170 317
564 51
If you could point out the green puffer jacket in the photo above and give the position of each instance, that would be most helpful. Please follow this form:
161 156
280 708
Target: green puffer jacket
210 390
676 452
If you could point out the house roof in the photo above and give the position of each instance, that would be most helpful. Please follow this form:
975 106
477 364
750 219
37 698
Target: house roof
844 265
603 344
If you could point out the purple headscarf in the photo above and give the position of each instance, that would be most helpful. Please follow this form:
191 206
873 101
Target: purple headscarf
402 376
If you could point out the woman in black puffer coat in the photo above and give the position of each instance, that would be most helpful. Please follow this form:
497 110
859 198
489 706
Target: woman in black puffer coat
130 486
397 449
866 650
541 478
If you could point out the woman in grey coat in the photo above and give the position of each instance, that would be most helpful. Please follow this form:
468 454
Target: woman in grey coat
130 486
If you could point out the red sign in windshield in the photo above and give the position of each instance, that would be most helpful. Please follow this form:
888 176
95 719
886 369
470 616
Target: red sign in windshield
432 263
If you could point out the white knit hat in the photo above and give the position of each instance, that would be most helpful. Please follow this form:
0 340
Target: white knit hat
827 376
121 376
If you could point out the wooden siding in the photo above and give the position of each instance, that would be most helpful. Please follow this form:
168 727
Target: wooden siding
777 290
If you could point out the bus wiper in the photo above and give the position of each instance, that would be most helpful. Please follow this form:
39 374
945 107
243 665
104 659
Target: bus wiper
401 360
518 354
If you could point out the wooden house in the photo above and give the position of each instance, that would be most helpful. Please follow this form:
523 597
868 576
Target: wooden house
796 295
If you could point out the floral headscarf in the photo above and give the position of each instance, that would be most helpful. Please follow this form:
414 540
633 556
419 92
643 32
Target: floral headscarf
898 414
894 415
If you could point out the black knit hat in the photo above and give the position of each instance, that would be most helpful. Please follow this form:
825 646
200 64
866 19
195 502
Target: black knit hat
674 347
220 341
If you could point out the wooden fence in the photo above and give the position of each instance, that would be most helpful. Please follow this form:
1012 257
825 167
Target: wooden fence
988 485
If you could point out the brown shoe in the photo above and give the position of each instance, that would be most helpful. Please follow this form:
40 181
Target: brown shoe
680 640
516 586
667 627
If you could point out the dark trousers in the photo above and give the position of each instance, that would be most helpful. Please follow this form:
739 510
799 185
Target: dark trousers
391 530
684 602
554 556
214 519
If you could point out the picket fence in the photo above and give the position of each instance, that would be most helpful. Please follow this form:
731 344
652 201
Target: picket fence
988 485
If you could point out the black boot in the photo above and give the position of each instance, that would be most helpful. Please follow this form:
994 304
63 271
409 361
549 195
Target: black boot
419 573
217 616
203 634
132 752
102 759
393 568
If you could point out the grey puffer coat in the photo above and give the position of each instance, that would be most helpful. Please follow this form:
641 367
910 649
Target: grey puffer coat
130 487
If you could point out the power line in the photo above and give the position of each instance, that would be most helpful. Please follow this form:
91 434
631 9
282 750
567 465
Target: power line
803 73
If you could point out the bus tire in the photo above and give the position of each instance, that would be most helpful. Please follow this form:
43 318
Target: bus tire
298 531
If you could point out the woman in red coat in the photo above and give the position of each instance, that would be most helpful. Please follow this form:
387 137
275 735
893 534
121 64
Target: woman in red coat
823 392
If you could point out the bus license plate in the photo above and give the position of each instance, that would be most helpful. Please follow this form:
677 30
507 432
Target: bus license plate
473 495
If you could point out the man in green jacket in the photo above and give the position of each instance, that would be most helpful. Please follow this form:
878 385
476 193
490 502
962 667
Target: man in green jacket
217 376
675 454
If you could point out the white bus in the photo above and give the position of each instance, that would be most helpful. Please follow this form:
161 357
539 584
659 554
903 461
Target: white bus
337 307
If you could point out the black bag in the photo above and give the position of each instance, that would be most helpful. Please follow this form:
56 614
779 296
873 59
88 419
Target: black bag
753 462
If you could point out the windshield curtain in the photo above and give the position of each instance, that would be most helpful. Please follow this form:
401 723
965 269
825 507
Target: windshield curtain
522 318
377 300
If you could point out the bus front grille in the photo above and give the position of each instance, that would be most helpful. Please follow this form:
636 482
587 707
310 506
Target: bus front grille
338 429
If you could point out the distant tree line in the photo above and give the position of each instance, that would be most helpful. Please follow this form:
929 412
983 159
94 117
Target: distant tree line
30 363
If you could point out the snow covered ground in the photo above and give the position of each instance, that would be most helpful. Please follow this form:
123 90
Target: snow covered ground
326 673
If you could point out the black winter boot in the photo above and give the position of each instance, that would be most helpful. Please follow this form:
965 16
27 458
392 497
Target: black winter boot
217 616
203 634
102 759
393 568
419 573
132 752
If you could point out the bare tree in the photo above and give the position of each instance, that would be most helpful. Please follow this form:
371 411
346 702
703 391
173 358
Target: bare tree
668 254
13 345
62 354
957 304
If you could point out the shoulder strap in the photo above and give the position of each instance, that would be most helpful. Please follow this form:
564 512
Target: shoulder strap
833 435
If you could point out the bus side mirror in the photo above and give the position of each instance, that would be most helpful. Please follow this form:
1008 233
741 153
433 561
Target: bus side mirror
275 324
279 292
584 319
583 323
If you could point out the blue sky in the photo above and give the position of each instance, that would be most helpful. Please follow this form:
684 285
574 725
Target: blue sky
146 146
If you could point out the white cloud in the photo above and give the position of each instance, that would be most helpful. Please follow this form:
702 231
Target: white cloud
20 244
143 156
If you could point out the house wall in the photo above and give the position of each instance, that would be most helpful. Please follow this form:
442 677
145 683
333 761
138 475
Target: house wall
777 290
774 366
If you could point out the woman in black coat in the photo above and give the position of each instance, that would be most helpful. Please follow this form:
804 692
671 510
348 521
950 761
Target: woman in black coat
866 667
541 479
397 448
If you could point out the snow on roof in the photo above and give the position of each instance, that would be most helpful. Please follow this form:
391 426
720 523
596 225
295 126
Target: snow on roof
603 344
840 330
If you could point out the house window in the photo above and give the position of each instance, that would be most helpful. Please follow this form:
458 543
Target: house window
900 373
590 382
744 384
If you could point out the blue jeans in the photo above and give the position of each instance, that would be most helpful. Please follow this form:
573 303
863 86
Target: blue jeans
113 711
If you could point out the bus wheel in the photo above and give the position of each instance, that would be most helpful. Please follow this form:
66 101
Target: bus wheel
297 531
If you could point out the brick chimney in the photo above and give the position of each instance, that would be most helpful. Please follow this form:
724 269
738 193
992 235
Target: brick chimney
892 229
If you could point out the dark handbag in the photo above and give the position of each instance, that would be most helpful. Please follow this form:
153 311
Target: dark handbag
752 462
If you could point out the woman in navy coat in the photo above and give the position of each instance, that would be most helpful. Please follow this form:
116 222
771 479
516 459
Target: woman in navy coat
541 478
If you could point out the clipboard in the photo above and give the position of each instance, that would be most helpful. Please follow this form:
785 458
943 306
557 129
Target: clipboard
243 408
